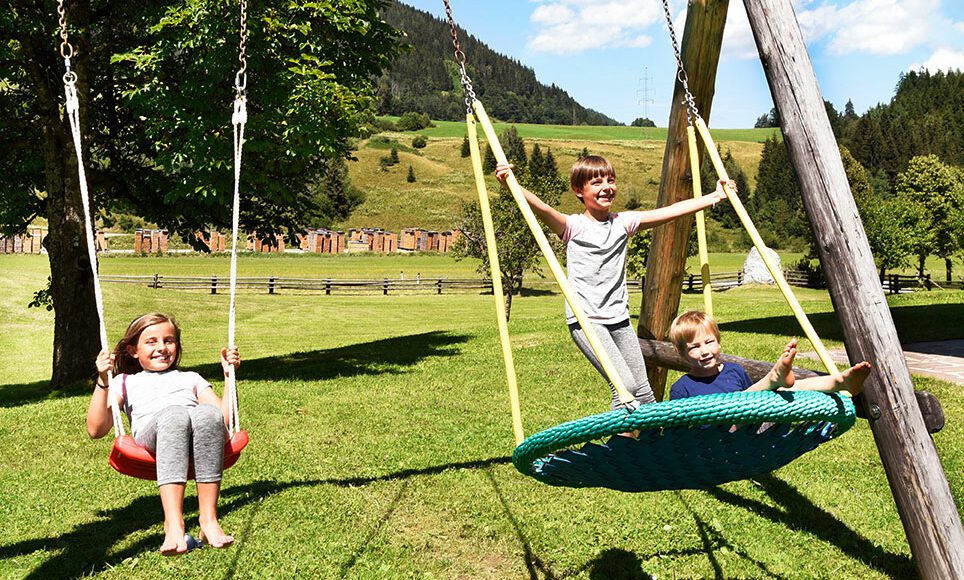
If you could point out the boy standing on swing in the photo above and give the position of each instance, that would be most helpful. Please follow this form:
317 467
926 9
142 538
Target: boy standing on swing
596 245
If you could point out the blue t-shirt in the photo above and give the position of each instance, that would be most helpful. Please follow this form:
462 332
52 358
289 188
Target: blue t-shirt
731 379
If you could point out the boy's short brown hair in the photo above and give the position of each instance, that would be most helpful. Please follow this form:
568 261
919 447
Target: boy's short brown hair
687 324
586 168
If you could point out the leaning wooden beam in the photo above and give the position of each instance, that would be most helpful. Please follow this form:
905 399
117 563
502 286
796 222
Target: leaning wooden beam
917 481
700 49
663 354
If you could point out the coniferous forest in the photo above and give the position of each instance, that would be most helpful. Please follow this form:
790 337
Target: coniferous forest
426 78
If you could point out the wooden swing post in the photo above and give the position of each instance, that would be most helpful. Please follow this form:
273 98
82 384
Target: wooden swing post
917 480
700 50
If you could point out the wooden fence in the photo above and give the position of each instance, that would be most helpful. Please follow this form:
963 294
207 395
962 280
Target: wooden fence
892 283
327 286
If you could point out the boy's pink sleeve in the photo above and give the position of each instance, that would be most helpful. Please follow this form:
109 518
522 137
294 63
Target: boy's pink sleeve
571 229
630 220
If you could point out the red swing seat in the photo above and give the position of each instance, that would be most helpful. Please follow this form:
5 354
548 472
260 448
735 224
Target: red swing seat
129 458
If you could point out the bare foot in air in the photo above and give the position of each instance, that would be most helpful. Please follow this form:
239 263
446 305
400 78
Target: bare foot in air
174 541
212 534
852 379
781 376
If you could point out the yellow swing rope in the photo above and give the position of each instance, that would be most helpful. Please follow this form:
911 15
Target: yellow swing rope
495 272
558 273
761 248
700 222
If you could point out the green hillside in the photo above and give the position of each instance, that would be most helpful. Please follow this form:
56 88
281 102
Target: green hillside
444 179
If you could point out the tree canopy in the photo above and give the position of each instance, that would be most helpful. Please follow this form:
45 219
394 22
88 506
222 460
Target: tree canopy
155 82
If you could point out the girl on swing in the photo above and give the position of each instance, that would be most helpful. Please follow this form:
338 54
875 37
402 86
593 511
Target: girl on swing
174 414
596 244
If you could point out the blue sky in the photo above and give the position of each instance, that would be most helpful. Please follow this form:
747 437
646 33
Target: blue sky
615 56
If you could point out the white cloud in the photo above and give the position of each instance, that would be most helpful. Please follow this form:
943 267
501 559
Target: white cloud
572 26
943 59
737 36
871 26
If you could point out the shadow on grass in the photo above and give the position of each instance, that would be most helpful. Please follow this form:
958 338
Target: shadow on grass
800 513
28 393
386 356
914 323
378 357
90 547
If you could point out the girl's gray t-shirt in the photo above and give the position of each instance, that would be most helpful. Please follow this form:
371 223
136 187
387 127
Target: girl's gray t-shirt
596 264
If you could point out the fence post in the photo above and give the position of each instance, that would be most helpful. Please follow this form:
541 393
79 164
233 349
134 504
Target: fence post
689 282
894 284
271 285
385 287
739 278
439 285
327 286
155 281
927 282
214 284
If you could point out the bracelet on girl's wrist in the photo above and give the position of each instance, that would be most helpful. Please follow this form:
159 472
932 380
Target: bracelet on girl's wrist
100 386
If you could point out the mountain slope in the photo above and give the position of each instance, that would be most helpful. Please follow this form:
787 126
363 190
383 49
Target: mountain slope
426 79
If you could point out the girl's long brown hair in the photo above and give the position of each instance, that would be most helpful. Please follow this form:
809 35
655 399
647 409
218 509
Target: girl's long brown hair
124 362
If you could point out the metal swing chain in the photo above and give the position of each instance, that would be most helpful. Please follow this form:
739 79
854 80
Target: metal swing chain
692 113
460 59
241 78
66 49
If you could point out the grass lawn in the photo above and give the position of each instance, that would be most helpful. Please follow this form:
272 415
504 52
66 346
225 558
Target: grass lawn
381 441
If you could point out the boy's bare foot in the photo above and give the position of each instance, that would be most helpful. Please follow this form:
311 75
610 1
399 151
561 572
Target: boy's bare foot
852 379
781 376
214 536
175 542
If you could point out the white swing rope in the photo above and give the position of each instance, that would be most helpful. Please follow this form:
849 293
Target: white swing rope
238 119
72 106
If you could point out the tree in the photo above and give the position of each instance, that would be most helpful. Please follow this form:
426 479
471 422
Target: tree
772 119
488 160
412 121
518 251
411 175
642 122
393 156
537 162
776 206
466 151
932 184
157 141
334 195
724 212
515 150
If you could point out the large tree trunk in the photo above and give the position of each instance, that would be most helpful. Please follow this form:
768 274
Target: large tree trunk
76 340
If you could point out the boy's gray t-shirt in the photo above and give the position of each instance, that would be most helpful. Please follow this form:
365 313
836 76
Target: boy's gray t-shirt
596 264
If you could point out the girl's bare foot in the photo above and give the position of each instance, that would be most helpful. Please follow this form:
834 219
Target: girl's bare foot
214 536
175 542
781 376
852 379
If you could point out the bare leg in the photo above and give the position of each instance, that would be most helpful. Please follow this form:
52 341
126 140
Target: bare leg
851 380
781 376
172 500
207 503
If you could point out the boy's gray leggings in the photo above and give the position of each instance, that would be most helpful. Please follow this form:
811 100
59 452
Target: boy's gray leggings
177 434
621 344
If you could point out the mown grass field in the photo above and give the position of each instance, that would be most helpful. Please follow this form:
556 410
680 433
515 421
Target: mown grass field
380 443
444 179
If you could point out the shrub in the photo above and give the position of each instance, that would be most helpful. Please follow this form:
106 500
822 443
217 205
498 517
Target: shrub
411 175
412 121
419 141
